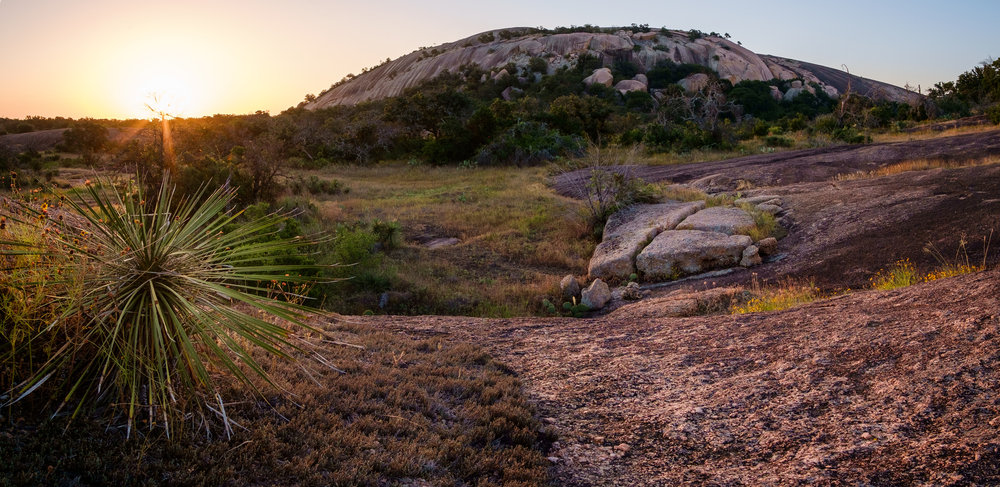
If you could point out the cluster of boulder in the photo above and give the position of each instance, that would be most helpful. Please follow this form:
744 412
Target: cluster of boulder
669 240
697 82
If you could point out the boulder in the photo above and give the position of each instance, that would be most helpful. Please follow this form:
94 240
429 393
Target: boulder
680 252
642 79
717 219
602 76
776 93
628 85
695 82
629 230
831 91
767 208
796 85
500 75
756 200
767 246
597 295
750 257
570 287
645 36
792 93
509 93
713 183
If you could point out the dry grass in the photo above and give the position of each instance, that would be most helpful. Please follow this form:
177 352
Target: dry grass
917 165
927 135
404 411
517 237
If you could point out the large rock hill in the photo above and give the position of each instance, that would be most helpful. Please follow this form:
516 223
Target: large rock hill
729 59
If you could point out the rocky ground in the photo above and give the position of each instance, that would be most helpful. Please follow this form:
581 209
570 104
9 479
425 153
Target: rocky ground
841 232
867 388
871 388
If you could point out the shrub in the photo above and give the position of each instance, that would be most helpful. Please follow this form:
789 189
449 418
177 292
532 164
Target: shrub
994 114
487 37
607 183
528 143
145 296
538 65
774 141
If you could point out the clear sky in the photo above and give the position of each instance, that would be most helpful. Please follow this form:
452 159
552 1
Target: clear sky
100 57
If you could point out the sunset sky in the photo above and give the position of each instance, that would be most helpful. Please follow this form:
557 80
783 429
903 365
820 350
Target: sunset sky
99 58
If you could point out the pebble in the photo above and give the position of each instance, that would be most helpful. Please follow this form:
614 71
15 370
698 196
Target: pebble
624 447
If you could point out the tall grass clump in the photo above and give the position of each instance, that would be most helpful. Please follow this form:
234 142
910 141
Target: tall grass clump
960 263
139 301
901 274
787 295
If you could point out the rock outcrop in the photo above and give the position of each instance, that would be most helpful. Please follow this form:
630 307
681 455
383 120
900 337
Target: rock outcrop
645 49
629 230
679 252
717 219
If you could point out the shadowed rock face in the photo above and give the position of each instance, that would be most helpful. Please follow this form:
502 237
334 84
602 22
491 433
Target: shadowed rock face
730 60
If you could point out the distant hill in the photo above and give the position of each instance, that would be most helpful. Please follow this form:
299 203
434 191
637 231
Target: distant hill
644 47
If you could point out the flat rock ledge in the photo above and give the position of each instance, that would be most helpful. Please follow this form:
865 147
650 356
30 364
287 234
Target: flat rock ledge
718 219
680 252
629 231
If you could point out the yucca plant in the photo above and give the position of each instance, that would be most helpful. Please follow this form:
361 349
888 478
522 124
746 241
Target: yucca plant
160 295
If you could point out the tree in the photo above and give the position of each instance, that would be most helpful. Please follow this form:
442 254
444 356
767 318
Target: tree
87 137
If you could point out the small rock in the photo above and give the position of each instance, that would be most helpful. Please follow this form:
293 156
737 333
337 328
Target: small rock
751 257
632 292
624 447
767 246
597 295
553 459
570 287
441 242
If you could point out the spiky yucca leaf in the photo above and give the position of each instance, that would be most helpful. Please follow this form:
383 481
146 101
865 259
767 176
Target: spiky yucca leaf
158 309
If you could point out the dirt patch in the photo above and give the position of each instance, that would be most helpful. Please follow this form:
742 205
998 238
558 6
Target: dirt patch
873 388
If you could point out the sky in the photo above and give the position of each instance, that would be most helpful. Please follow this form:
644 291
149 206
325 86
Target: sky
101 58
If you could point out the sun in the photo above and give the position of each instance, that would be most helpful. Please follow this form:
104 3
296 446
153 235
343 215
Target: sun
164 94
